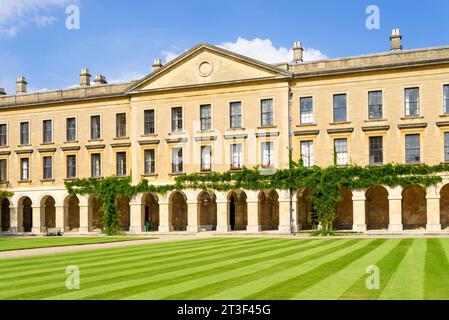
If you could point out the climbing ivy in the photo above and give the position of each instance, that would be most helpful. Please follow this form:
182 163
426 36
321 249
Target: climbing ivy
324 184
4 193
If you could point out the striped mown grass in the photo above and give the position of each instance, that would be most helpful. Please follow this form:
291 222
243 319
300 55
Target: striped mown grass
10 244
238 268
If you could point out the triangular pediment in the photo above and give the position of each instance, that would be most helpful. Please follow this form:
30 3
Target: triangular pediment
207 65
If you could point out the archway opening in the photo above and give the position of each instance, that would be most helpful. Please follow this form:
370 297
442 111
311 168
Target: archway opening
178 211
269 210
444 207
305 214
237 210
207 206
96 212
124 213
6 216
414 208
344 212
377 208
27 214
151 203
73 212
49 212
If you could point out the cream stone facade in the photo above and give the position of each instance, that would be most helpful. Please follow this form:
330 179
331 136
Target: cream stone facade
211 110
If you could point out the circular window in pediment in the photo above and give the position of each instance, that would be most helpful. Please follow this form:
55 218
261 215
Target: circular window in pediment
206 69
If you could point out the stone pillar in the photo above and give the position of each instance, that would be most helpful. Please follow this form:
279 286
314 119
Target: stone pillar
433 209
85 215
193 219
164 215
14 220
223 221
395 209
285 214
359 213
38 219
137 209
62 217
295 222
253 212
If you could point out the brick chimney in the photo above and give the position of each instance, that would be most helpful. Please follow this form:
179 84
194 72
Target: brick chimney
100 79
396 40
21 85
85 77
157 64
298 51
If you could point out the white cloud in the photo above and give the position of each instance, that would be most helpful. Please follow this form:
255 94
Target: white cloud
17 14
260 49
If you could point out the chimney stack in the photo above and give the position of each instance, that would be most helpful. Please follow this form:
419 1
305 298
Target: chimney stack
84 77
396 40
21 85
157 64
100 79
2 92
298 51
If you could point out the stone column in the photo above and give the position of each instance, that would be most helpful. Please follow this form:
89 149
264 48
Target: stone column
38 219
295 222
164 215
433 209
395 209
285 214
223 220
193 218
358 204
253 212
62 217
14 220
85 215
137 216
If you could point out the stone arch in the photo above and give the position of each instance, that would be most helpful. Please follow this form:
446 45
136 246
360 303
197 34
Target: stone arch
48 209
72 212
268 210
377 208
124 213
95 213
237 210
178 211
207 207
151 211
444 207
5 215
344 211
304 210
414 208
25 207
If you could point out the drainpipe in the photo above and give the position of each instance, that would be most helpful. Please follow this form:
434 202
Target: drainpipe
290 153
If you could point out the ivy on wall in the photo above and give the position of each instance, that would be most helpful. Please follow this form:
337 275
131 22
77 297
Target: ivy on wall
325 185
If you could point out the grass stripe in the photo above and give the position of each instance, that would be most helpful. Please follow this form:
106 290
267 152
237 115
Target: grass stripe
436 285
289 288
334 286
387 266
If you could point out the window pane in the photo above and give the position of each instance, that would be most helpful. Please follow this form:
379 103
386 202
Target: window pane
412 102
306 110
341 151
412 148
206 158
340 107
267 112
121 125
71 129
121 163
206 117
375 150
3 135
95 128
149 162
375 104
307 153
177 165
24 133
71 166
3 170
48 168
149 122
236 115
446 147
24 169
47 134
96 165
236 156
176 114
446 99
267 155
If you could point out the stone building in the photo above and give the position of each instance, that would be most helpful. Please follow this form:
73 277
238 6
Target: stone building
211 110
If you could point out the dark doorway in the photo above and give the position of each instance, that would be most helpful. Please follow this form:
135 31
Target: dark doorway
27 215
232 212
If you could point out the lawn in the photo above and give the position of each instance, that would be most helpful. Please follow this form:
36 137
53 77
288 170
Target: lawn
238 269
9 244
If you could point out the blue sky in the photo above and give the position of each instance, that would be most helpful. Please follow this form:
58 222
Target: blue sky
120 39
